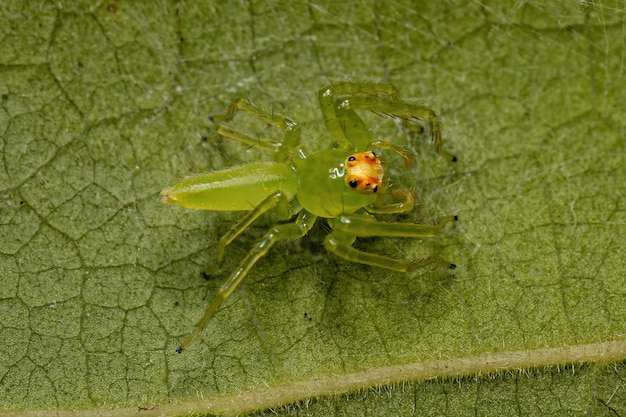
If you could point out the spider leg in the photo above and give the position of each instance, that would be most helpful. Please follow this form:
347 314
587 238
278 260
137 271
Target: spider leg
345 127
291 143
339 100
296 230
243 137
400 150
406 111
276 200
347 227
405 203
367 226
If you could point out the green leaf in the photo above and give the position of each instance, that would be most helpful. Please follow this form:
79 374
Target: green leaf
102 106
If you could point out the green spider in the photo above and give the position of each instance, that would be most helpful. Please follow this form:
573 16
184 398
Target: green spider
344 184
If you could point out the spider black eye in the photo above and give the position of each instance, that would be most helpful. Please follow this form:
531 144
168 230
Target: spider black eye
352 158
373 154
353 183
375 188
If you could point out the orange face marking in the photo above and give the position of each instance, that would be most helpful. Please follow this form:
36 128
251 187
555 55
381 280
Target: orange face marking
364 171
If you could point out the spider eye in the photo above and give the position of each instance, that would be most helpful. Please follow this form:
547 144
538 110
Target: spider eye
363 172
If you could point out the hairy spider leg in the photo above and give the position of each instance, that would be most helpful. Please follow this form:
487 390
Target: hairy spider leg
347 227
400 150
405 203
303 223
255 142
344 125
378 98
291 143
285 208
404 110
349 88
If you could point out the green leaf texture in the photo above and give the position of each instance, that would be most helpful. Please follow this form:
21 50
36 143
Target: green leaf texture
104 104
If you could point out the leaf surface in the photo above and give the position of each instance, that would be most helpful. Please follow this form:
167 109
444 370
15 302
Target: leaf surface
103 106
